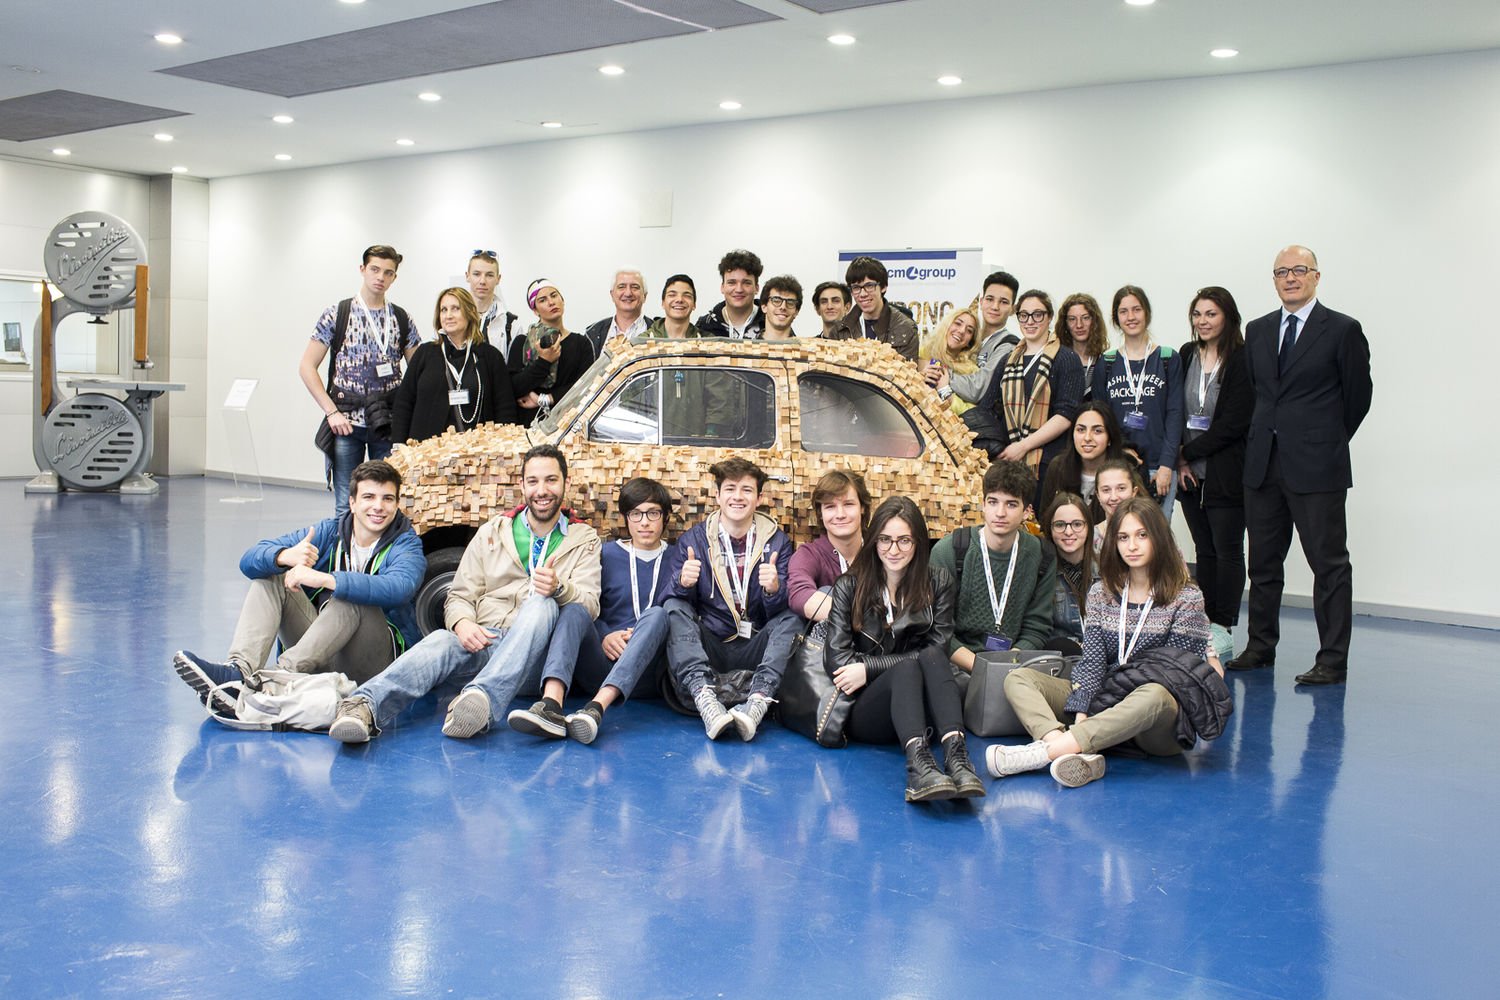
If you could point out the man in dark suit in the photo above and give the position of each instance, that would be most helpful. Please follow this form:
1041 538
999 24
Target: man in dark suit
1310 368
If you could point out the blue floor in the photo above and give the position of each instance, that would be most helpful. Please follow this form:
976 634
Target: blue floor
1332 843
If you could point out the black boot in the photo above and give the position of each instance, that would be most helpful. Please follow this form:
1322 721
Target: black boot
960 768
925 782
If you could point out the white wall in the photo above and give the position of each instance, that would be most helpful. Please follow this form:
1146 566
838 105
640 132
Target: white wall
34 197
1386 169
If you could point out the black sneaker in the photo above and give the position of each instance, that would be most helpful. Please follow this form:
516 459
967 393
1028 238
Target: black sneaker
540 719
583 725
208 679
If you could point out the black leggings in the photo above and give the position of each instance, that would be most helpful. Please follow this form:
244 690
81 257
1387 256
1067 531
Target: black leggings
1219 536
897 704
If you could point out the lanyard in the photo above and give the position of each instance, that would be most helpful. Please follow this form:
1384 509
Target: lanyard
379 330
890 612
1133 385
539 542
635 583
843 563
458 374
738 582
998 606
1125 650
1204 377
457 383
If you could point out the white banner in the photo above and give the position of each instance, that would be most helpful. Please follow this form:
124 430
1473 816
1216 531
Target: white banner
931 283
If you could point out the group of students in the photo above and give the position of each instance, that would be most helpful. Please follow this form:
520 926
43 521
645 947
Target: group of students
542 603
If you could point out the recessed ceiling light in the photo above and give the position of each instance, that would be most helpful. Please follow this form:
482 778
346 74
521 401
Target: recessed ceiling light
351 2
841 39
25 69
610 69
730 105
167 38
60 151
283 119
950 80
283 157
429 96
163 137
1140 3
551 124
179 170
1223 53
406 142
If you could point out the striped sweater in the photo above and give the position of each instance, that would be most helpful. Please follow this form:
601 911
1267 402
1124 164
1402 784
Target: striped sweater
1181 623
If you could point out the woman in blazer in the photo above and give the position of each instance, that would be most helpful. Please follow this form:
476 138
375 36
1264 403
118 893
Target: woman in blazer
887 649
456 381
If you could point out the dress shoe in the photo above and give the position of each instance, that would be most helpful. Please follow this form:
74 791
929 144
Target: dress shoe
1250 661
1323 674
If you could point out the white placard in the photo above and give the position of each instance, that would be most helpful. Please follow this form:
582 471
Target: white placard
931 283
240 392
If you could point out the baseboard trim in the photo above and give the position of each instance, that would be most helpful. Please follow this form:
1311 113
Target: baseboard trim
296 484
1437 616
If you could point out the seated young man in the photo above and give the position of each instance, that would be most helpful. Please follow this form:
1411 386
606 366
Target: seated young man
1007 577
623 647
517 572
841 504
731 613
338 596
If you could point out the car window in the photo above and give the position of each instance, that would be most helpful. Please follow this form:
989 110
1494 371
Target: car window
847 417
564 409
691 405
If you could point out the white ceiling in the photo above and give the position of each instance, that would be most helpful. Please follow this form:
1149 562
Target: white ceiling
786 67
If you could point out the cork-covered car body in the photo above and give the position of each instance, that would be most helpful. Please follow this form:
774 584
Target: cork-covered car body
670 409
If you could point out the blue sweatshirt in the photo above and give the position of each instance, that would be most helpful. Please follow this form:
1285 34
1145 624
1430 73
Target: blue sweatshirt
616 611
709 597
1161 402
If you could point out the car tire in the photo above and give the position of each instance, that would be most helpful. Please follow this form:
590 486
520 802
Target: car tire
433 594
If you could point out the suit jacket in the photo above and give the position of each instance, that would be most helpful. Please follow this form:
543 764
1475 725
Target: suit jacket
1314 408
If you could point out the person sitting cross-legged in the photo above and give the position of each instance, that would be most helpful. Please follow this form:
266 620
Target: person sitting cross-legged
519 569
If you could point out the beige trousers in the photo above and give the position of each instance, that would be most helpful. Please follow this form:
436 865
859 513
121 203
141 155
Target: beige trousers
1147 715
352 639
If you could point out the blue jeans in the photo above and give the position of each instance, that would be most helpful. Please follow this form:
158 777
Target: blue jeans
576 648
348 451
501 670
696 654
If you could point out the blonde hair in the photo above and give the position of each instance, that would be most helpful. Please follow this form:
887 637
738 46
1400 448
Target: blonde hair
937 348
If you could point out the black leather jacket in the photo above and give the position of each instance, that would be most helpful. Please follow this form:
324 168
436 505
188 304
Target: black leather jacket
880 647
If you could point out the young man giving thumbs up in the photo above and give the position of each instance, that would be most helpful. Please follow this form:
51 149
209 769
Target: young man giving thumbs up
518 571
728 603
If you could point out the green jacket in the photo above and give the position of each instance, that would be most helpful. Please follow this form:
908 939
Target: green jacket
1028 611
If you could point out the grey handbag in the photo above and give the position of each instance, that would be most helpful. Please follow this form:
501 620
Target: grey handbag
987 712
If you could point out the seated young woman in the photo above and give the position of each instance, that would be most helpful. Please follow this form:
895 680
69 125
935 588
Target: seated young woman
1096 439
1142 601
1072 536
887 649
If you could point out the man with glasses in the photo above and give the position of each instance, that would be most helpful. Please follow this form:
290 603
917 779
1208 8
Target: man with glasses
1006 576
780 301
1310 368
628 293
495 322
832 300
873 318
736 317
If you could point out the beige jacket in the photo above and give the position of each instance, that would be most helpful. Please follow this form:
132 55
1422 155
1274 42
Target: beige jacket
492 582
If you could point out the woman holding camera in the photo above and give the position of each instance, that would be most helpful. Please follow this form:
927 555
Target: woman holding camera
549 359
457 380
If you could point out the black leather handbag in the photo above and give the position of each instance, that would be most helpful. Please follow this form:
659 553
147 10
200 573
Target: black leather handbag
807 702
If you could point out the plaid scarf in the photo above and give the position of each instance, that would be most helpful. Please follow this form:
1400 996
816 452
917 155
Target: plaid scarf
1025 414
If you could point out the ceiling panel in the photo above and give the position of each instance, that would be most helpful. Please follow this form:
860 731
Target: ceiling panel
64 112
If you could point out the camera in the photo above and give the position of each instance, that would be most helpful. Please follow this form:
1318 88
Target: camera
378 415
547 339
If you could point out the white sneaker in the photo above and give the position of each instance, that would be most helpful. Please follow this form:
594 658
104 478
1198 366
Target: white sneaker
748 717
1003 761
715 718
1077 769
468 714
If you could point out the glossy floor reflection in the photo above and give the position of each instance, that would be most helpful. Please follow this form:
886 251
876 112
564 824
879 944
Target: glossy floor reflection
1326 846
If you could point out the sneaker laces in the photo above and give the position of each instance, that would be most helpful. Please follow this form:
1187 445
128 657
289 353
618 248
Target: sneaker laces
708 705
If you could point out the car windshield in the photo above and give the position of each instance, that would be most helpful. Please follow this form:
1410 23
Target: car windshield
562 411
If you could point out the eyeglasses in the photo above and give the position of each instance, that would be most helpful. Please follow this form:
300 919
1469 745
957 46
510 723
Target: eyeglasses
780 303
1299 271
1040 316
865 287
643 514
482 253
900 544
1068 527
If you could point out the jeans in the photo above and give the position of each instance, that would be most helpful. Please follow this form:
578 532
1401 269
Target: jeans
348 451
694 654
501 670
577 651
1219 537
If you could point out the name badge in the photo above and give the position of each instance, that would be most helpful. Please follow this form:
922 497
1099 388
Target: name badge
746 629
1198 422
996 643
385 369
1135 421
458 397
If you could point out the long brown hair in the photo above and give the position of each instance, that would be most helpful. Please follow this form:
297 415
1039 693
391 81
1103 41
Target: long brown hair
1168 572
868 571
1065 499
475 329
1098 334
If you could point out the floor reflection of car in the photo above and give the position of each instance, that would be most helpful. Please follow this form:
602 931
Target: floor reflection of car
670 409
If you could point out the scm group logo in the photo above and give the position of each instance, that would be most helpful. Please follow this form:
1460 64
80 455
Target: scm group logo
915 272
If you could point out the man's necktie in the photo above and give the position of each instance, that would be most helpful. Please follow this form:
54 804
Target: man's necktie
1287 340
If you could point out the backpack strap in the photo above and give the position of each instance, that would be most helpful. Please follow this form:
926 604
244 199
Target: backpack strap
403 324
340 327
960 552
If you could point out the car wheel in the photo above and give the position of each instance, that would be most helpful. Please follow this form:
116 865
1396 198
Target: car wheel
441 565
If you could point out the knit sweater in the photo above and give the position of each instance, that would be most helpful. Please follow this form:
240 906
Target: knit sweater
1181 623
1028 611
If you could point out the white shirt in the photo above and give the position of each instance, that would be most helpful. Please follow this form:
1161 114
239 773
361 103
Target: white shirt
636 329
1301 315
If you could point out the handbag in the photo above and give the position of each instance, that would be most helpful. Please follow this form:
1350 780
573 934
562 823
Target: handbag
987 712
807 702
